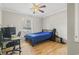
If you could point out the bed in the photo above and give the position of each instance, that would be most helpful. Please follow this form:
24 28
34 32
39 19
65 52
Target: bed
39 37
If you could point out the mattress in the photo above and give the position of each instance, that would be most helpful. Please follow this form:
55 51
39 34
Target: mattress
38 37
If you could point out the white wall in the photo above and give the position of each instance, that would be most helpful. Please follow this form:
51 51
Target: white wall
12 19
58 21
18 21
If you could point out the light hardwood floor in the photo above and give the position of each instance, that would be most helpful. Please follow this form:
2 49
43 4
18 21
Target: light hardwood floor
44 48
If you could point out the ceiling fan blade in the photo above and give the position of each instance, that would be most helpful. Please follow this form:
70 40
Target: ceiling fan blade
43 6
41 11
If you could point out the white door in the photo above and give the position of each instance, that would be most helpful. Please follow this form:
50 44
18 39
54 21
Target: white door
76 23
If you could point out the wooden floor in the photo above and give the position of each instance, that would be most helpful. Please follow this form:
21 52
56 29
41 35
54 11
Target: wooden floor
45 48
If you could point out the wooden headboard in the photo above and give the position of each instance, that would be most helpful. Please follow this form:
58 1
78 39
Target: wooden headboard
48 30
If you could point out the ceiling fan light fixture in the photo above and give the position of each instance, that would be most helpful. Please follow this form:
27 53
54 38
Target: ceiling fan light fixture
37 8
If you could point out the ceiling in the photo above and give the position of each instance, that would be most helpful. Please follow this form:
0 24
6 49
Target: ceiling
25 8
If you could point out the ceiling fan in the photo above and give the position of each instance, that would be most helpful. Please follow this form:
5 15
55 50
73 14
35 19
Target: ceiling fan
37 8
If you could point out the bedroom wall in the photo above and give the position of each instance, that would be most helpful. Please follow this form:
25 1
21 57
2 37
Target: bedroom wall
58 21
18 21
12 19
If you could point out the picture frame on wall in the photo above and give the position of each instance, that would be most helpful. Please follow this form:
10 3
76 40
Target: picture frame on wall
27 25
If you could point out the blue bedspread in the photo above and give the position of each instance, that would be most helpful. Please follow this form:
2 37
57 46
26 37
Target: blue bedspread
38 37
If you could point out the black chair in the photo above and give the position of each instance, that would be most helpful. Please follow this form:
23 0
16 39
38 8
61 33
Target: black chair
13 44
19 34
1 38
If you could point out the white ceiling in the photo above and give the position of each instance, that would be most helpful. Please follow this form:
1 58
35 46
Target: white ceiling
25 8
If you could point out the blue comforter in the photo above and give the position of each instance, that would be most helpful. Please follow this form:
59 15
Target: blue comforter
38 37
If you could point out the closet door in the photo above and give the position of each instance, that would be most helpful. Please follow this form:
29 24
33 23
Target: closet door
36 25
76 22
0 17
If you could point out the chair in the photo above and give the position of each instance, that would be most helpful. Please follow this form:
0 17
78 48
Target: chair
13 44
0 46
1 37
19 34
